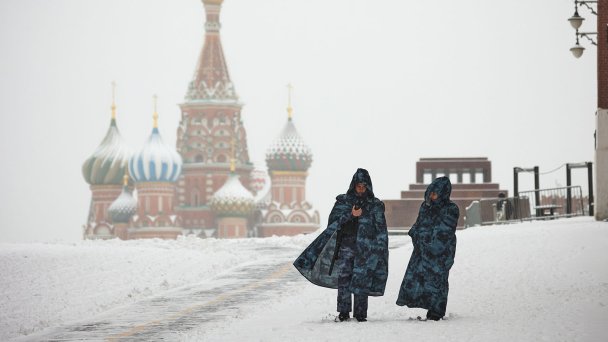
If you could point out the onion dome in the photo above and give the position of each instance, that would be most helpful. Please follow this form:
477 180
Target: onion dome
109 161
156 162
232 199
124 206
289 152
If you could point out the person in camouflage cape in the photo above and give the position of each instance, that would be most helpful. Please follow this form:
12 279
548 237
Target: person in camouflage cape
358 226
425 284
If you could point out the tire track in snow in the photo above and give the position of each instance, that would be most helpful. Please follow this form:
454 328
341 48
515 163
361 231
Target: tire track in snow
180 310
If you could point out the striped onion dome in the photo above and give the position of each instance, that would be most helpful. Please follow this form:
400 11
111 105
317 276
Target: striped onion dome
289 152
232 199
124 206
107 164
156 162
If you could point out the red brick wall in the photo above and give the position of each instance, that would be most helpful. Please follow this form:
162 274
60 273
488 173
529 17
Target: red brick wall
121 230
403 213
155 198
602 54
458 186
288 187
154 234
203 218
103 196
231 227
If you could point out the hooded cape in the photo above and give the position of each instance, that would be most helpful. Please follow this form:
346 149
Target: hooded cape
425 284
370 270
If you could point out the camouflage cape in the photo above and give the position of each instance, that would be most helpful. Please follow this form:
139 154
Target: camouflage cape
370 270
425 284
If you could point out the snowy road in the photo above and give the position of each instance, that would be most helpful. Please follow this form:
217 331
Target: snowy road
532 281
175 312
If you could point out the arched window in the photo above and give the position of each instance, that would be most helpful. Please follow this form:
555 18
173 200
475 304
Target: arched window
198 158
221 158
195 195
103 230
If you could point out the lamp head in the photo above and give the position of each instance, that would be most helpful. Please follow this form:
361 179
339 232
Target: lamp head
577 50
576 20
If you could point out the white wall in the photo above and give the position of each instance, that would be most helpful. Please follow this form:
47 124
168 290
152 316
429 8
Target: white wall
601 165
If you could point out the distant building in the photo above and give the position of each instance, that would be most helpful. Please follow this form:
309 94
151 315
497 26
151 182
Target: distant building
207 186
471 180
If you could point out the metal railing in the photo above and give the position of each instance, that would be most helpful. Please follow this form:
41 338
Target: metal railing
557 202
529 205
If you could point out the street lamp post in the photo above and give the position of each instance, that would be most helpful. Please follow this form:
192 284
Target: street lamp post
576 21
601 115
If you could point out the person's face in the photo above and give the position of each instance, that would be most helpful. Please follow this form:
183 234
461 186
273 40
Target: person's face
433 196
360 189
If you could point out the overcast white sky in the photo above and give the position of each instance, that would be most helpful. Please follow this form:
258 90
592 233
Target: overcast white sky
377 84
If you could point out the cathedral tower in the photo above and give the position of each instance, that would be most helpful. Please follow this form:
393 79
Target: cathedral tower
210 121
288 160
155 169
104 171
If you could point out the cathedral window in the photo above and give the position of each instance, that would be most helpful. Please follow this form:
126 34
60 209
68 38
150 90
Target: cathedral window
195 198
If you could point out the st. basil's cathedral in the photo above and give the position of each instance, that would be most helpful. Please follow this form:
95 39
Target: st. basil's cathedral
207 185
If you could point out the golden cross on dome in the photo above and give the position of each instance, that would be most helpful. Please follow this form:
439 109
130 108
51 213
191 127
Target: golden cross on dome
155 116
113 100
289 109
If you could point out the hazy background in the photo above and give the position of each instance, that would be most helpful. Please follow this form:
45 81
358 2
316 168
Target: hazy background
377 84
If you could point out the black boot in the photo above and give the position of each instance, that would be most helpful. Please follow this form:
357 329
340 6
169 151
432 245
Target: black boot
361 319
344 316
433 316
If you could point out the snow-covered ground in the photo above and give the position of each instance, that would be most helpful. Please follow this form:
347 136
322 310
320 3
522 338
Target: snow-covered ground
534 281
45 285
